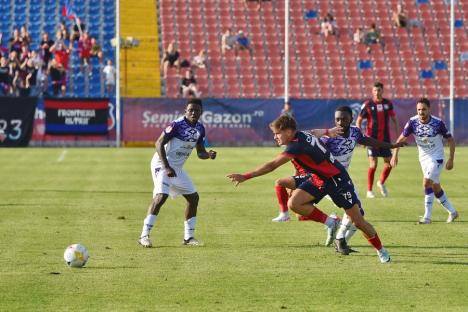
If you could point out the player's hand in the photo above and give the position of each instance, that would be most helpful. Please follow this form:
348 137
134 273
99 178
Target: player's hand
449 164
211 154
399 144
394 161
170 172
236 178
336 131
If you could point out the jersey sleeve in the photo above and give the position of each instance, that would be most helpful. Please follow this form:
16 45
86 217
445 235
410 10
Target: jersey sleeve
363 113
358 135
408 129
444 131
170 130
201 139
292 149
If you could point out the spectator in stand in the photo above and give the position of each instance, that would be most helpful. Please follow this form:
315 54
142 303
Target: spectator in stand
24 54
171 59
15 41
243 43
58 78
26 78
373 37
62 28
45 52
228 41
199 61
358 36
399 17
96 49
77 30
5 77
3 50
25 36
328 25
188 85
14 64
84 47
61 54
109 77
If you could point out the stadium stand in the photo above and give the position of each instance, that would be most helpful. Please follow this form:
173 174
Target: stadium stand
45 15
319 67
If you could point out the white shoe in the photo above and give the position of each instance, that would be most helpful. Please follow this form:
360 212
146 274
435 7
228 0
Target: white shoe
383 189
423 220
452 217
191 242
384 256
331 231
282 217
145 242
370 194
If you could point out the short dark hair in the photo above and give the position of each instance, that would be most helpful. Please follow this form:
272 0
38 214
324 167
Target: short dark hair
378 84
284 122
424 101
195 101
346 109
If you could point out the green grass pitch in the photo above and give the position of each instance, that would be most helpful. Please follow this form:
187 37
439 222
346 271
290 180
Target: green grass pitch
51 198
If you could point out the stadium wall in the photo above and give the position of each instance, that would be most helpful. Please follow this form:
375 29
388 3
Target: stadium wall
244 122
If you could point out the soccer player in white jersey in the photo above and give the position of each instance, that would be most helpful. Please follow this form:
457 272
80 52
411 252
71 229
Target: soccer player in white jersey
173 148
429 132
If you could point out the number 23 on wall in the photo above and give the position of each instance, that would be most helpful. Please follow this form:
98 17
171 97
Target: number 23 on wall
15 126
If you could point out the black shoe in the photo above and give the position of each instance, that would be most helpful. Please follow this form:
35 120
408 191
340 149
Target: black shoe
341 246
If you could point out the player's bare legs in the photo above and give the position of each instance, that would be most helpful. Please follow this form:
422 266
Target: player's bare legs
153 211
190 218
373 162
301 202
281 189
369 232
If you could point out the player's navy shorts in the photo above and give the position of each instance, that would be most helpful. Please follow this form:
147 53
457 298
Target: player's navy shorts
340 188
299 179
379 152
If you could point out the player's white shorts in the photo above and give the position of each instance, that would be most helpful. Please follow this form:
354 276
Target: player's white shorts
432 169
180 185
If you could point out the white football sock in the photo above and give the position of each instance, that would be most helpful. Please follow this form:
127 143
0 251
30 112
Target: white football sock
350 232
345 224
445 202
428 200
148 225
189 227
331 219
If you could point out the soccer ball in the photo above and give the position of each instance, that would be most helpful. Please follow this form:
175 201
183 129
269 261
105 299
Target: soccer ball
76 255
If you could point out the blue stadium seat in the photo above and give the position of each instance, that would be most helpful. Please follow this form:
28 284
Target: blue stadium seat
311 14
365 64
426 74
439 65
459 24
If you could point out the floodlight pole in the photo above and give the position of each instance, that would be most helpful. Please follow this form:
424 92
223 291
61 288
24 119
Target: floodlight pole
452 61
286 51
117 74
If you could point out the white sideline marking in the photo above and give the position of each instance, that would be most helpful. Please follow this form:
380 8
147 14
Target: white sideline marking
62 156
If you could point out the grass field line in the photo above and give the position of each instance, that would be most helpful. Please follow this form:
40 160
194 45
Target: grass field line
62 156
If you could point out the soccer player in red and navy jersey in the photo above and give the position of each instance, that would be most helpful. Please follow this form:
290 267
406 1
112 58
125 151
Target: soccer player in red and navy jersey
329 177
378 111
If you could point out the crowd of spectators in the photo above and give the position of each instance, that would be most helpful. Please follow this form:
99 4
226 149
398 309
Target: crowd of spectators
26 72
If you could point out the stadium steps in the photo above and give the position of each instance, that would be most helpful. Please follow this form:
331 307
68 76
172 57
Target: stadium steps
143 65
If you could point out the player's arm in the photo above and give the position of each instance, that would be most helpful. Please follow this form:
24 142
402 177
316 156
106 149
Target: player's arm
161 141
369 141
451 144
202 153
260 170
394 160
396 124
332 132
359 121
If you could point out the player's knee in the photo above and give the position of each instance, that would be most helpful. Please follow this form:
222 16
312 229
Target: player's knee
292 204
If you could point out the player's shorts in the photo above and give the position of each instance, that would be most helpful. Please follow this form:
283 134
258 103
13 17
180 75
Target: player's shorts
179 185
299 179
340 188
379 152
432 168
